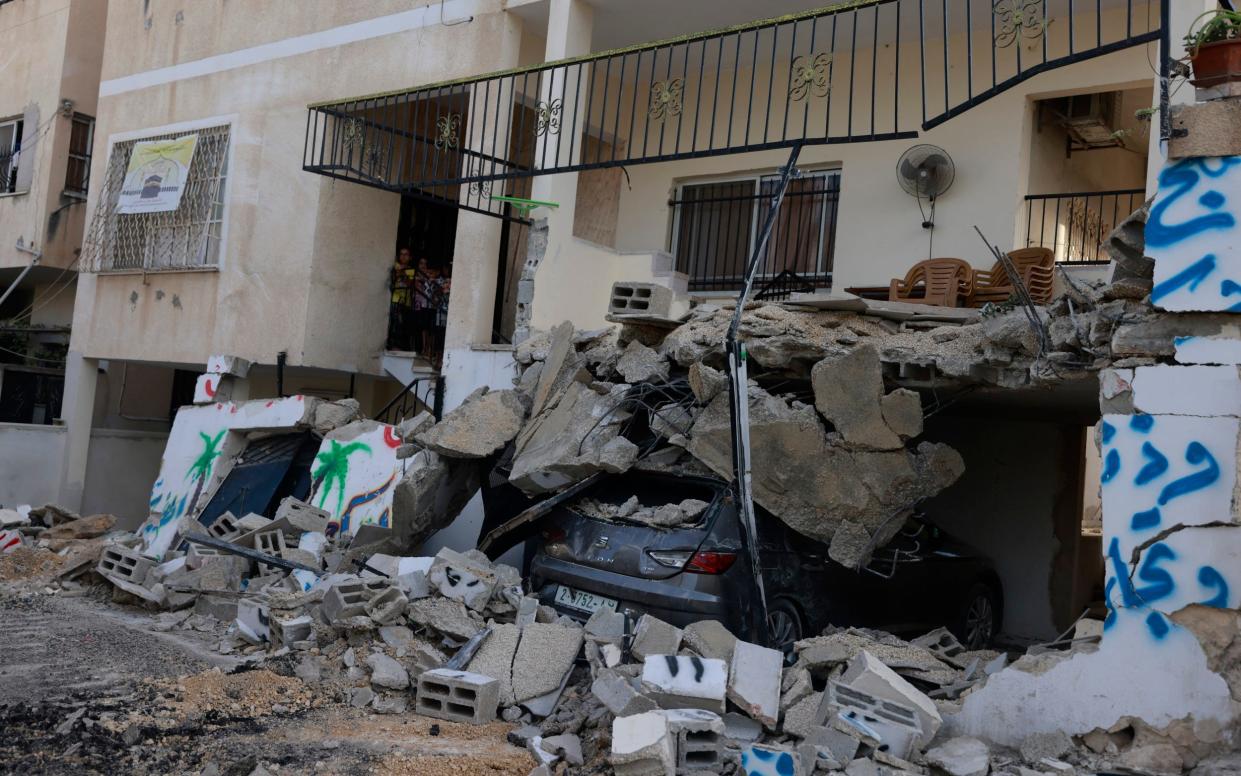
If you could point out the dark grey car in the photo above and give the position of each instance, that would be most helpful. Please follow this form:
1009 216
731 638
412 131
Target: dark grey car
586 557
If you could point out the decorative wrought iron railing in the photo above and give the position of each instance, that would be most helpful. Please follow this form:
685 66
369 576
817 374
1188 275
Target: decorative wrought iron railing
1076 225
715 227
860 71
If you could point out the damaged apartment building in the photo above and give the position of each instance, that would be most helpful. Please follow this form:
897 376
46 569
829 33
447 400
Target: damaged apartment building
990 392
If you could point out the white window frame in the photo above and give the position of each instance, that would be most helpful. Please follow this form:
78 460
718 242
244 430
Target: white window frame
757 179
17 123
228 121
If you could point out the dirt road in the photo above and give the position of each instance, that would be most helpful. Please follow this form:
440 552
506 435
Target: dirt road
90 687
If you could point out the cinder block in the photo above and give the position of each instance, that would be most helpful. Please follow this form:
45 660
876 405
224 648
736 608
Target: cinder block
272 543
198 554
224 528
286 631
303 516
761 760
252 522
676 682
754 681
129 565
642 745
253 623
653 636
346 599
866 674
941 642
699 740
387 607
894 725
460 577
458 696
645 298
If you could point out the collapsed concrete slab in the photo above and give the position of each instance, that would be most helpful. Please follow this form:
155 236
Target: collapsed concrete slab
478 428
429 495
569 442
812 482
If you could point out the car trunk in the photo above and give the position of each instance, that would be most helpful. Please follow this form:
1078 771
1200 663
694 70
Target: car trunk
620 546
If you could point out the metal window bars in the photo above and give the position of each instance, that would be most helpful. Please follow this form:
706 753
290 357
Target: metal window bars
1075 226
856 72
186 238
714 232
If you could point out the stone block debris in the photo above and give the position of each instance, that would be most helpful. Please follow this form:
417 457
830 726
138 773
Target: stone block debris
653 636
643 745
754 675
961 756
677 682
699 740
457 696
762 760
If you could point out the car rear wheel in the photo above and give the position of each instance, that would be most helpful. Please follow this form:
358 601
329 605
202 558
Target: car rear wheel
785 625
979 617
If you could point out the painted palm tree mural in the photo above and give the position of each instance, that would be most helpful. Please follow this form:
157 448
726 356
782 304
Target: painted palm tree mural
200 469
332 471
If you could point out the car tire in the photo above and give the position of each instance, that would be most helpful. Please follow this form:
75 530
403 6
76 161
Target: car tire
978 622
785 624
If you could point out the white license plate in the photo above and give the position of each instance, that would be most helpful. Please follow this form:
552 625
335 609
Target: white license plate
582 601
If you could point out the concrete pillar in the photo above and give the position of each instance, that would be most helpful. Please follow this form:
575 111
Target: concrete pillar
569 28
1183 14
78 410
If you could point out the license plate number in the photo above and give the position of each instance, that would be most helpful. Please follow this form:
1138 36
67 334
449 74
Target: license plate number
583 601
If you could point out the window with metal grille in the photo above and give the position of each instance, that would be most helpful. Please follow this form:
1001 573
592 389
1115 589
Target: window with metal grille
10 150
716 224
81 135
186 238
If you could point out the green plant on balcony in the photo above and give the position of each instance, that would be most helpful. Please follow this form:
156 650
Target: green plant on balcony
1213 44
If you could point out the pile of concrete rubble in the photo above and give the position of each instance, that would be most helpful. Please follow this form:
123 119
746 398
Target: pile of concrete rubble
454 637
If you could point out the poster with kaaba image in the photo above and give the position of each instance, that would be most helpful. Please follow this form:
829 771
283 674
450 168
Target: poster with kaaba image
156 176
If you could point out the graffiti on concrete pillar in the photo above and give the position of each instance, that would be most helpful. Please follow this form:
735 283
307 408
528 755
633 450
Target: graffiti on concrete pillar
1167 493
1193 235
353 479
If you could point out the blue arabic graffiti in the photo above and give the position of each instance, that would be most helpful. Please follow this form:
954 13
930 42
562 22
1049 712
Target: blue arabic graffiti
1181 178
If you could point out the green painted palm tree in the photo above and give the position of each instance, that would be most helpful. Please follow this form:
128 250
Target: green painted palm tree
333 470
201 467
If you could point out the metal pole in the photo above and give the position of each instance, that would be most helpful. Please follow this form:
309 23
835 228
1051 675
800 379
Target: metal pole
739 418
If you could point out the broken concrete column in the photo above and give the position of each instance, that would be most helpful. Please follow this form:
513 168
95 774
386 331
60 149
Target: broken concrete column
478 427
430 495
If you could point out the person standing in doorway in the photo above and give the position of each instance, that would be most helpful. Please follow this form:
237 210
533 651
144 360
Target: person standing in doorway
441 313
400 311
425 285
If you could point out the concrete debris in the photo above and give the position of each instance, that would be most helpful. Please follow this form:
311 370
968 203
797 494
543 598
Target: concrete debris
430 495
686 512
653 636
640 364
709 638
677 682
642 745
477 428
567 443
754 675
962 756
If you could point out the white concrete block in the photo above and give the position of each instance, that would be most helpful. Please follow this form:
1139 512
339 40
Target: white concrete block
211 388
686 682
754 678
868 674
228 365
761 760
464 579
1208 350
1187 390
642 745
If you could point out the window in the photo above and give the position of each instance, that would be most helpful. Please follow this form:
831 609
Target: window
186 238
716 225
81 134
10 150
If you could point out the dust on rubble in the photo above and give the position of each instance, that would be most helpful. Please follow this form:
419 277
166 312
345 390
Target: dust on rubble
247 694
30 564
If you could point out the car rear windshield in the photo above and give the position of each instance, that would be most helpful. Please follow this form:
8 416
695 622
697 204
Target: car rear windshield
643 500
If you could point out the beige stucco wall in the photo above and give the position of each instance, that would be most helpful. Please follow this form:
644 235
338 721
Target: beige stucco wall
304 261
50 51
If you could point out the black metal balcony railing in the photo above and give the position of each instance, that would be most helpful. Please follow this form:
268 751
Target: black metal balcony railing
714 227
1075 226
859 71
422 394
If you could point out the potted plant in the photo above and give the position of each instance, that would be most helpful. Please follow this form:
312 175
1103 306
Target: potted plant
1215 48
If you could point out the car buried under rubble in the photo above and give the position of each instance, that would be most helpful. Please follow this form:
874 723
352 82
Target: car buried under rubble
616 541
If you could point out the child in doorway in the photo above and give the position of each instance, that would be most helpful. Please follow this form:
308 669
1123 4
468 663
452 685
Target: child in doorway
400 311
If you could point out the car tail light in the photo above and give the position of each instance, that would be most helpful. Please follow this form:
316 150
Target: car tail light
554 534
711 562
701 562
